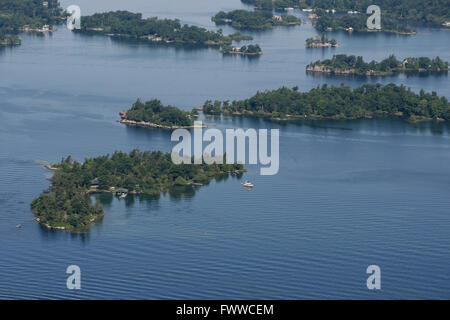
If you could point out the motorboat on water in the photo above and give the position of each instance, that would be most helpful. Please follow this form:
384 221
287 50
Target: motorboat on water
248 184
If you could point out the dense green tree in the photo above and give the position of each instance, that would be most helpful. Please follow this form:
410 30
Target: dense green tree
342 102
154 112
356 65
67 203
254 20
424 11
15 14
128 24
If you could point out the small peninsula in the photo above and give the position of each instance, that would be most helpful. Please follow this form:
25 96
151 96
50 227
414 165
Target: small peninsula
67 205
347 65
368 101
132 25
254 20
153 114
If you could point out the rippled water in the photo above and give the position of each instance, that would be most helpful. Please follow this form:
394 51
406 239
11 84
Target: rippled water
348 194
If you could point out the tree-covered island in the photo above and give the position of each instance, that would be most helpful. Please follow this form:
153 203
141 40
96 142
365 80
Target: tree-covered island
254 20
435 12
367 101
132 25
250 50
321 42
27 16
346 65
67 205
153 114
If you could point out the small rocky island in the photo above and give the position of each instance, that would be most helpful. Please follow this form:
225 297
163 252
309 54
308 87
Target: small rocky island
250 50
349 64
153 114
321 42
66 204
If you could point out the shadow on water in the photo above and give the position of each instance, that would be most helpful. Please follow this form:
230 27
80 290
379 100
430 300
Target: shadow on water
191 47
142 43
388 125
250 58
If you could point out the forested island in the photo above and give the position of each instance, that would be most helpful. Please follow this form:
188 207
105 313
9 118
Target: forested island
254 20
66 205
132 25
367 101
350 64
154 114
250 50
431 12
27 15
321 42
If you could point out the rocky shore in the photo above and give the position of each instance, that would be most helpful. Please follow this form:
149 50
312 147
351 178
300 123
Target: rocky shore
144 124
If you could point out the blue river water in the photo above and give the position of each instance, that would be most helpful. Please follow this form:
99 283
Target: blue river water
349 194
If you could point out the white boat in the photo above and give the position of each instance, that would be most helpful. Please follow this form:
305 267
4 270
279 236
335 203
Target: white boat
248 184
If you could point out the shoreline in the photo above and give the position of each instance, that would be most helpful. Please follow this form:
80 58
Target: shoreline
325 70
144 124
156 126
242 53
151 38
288 117
71 229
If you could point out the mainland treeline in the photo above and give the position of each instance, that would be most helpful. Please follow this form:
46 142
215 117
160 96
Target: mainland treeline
254 20
67 205
154 112
425 11
128 24
350 64
356 22
369 100
15 14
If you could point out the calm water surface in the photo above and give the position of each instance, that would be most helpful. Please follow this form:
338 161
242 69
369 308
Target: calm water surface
348 194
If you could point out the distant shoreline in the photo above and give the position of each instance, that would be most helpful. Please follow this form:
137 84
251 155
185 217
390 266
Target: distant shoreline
331 71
